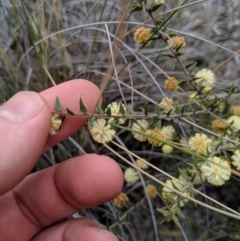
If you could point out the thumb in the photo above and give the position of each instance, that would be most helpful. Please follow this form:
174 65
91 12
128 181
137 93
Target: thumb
24 126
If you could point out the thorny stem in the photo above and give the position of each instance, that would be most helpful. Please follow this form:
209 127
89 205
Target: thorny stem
149 11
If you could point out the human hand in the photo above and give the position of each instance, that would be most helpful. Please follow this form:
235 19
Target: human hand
31 205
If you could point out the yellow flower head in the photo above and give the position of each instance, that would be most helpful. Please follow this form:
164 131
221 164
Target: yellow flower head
169 196
200 143
236 159
101 131
234 120
205 78
157 134
219 126
169 132
115 110
167 149
142 35
141 164
171 84
56 123
152 191
141 126
177 42
167 104
216 170
131 175
121 200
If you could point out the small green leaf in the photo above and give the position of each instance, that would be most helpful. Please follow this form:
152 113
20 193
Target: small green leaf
191 65
168 55
58 106
179 212
69 111
175 220
130 109
108 111
90 122
184 174
99 109
82 106
145 109
136 8
156 7
121 109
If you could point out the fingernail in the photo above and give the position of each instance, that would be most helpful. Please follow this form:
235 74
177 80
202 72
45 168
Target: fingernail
22 106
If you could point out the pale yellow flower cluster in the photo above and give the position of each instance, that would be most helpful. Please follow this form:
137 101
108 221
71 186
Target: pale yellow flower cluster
236 159
216 170
234 121
171 84
141 126
131 175
151 191
56 123
177 42
141 164
121 200
169 132
102 131
115 110
156 133
167 104
200 143
205 78
142 35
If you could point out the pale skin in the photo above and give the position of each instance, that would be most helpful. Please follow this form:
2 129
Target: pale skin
31 204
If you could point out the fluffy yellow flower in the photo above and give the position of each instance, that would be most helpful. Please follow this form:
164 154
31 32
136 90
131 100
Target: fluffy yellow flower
151 190
141 126
167 104
101 131
171 84
216 170
177 42
56 123
234 120
219 126
131 175
142 35
157 134
115 110
169 132
200 143
141 164
169 196
205 78
121 200
236 159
